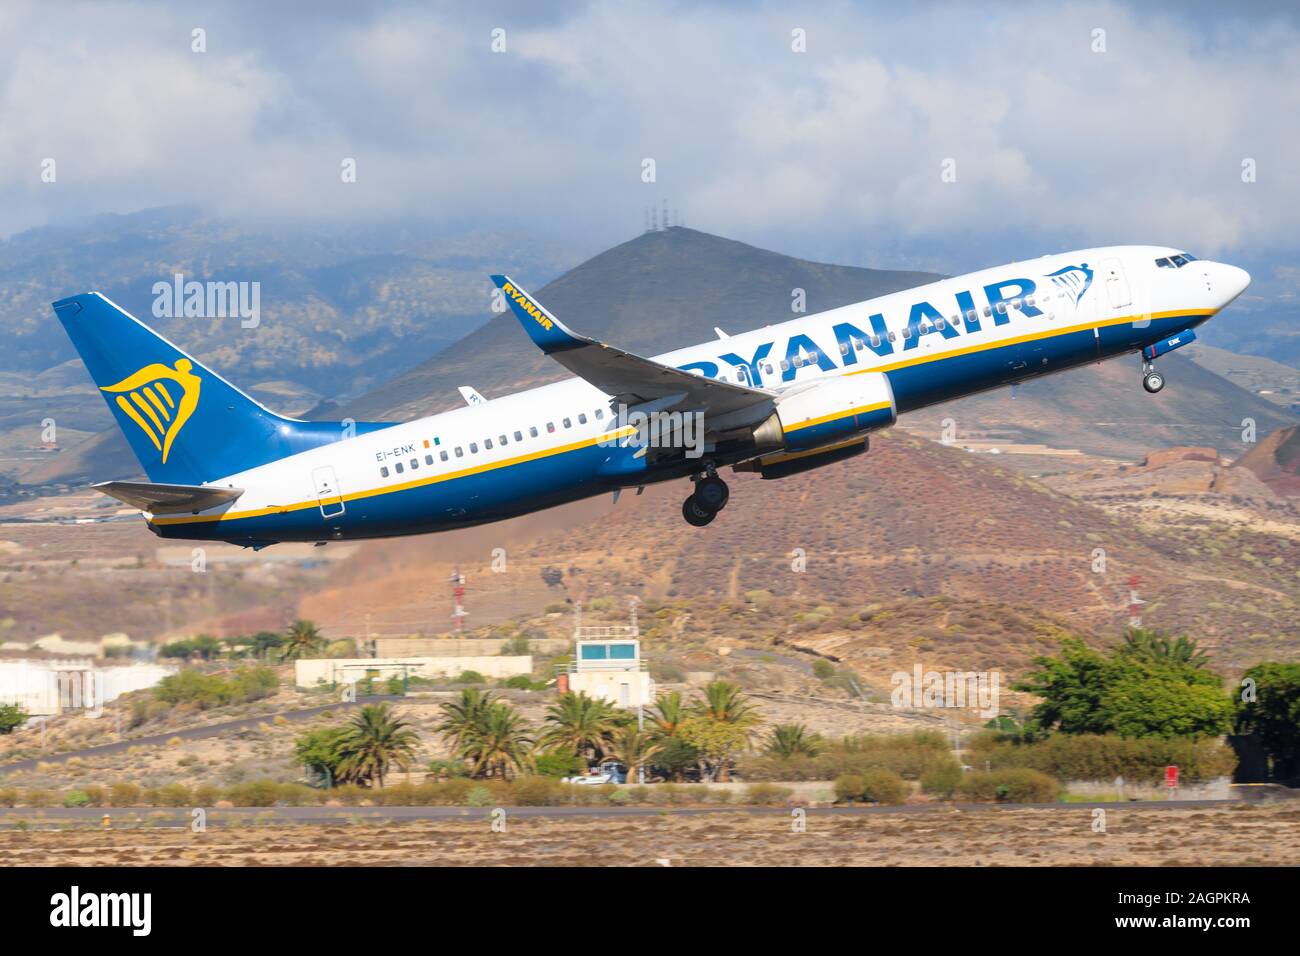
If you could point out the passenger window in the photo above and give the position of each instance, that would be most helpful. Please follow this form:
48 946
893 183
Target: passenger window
459 453
428 459
939 324
487 444
568 423
519 436
473 448
987 311
1002 308
398 466
383 472
785 365
600 413
532 431
971 317
907 332
892 338
767 369
502 440
582 418
875 341
415 463
844 348
550 428
442 455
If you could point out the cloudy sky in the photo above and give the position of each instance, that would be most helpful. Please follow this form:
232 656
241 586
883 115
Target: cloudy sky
1065 124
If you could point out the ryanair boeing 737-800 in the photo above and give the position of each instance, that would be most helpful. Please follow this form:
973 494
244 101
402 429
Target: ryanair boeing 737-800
776 401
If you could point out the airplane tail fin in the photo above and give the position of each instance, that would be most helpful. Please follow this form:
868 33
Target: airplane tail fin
186 424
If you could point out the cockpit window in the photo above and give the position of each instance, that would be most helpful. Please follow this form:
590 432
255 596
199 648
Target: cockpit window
1175 262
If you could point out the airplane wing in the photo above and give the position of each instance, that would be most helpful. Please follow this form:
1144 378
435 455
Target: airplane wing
167 499
631 378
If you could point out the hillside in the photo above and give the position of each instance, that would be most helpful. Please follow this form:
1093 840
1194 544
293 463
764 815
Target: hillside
1275 461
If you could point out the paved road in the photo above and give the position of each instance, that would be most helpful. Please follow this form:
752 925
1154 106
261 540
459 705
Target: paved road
53 817
191 733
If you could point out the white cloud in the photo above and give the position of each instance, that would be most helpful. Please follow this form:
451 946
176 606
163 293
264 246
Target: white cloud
837 145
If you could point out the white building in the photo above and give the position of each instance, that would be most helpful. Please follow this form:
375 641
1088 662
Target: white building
47 688
611 670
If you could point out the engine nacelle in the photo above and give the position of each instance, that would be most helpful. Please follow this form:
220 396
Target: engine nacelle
828 413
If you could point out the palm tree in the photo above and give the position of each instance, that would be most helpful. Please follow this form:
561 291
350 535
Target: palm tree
1156 646
499 744
787 740
633 748
302 639
374 741
580 724
723 702
463 717
668 715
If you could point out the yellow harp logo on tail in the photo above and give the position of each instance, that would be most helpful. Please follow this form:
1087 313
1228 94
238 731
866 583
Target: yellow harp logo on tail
160 400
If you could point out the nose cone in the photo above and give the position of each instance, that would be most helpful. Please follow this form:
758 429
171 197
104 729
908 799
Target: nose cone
1230 281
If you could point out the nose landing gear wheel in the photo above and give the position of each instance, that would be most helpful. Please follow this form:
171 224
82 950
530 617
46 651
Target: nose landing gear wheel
1153 381
695 514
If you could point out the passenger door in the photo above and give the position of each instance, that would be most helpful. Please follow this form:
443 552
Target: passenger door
327 491
1118 293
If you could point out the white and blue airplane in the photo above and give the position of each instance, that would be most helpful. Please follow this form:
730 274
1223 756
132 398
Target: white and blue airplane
778 400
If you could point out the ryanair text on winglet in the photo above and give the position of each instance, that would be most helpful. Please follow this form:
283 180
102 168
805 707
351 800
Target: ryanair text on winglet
528 306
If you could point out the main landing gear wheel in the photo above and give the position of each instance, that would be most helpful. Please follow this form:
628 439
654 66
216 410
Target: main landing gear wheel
695 514
1153 381
712 493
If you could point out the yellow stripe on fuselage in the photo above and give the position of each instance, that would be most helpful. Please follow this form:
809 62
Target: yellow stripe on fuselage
405 485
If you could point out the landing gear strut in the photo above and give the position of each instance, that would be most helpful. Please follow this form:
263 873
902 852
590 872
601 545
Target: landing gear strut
1152 380
710 496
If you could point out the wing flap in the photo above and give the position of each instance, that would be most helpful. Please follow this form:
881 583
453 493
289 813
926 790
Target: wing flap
163 499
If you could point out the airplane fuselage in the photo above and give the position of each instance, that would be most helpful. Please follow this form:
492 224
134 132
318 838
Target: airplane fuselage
559 443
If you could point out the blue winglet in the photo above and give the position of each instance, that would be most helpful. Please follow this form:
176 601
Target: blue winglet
546 331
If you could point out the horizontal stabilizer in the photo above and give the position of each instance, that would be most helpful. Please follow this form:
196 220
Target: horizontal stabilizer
168 499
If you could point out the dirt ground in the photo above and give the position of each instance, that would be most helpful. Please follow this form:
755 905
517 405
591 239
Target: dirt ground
1238 835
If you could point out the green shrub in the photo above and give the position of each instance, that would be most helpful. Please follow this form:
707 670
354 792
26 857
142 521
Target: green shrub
877 785
942 780
559 764
1107 756
470 677
206 794
96 795
38 798
767 795
254 793
175 795
76 798
1011 785
124 794
537 791
8 796
849 786
479 796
